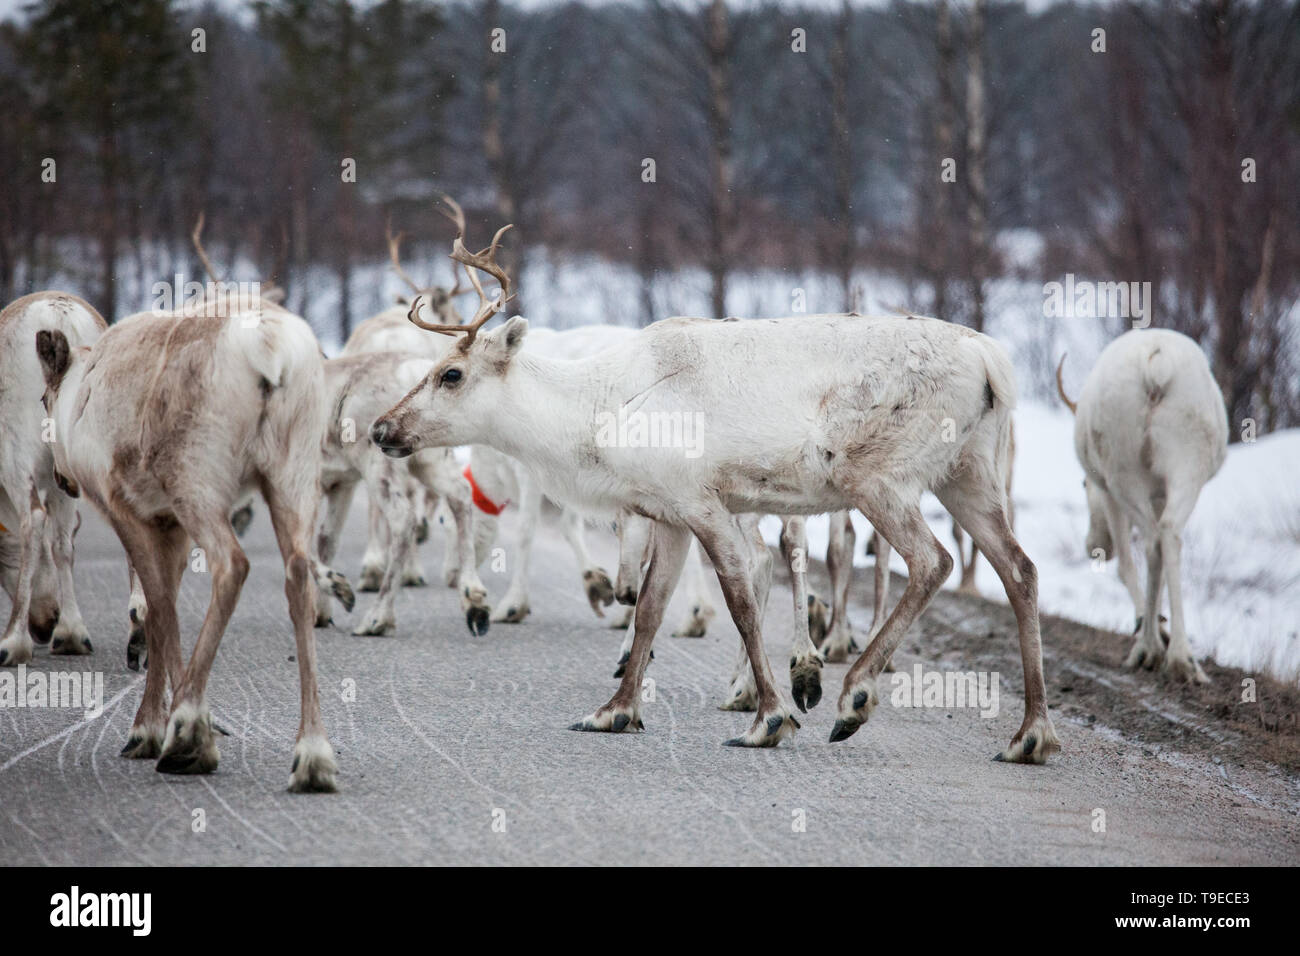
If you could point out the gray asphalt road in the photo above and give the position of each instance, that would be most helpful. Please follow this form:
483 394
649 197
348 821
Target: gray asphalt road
455 751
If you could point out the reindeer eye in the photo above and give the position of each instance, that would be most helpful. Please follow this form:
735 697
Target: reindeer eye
451 376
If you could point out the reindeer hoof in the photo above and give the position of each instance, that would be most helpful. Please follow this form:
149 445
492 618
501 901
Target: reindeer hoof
1185 669
854 711
697 624
600 590
477 617
413 579
374 626
1144 656
21 653
610 721
371 577
1035 742
767 731
743 695
313 767
71 643
819 616
843 730
144 743
189 747
512 613
806 681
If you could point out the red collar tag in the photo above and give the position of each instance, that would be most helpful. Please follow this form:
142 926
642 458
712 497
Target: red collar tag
482 501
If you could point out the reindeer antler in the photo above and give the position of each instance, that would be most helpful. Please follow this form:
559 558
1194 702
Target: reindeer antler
457 216
484 260
394 254
196 238
1060 387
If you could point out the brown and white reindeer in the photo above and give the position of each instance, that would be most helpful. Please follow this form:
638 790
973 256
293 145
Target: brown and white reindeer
38 521
163 425
804 415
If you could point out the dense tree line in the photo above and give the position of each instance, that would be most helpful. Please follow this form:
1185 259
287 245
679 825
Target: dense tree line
1143 141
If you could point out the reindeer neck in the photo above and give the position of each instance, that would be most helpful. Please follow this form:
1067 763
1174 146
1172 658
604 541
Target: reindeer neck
549 409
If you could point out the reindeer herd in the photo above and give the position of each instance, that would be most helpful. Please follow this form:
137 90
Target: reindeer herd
169 421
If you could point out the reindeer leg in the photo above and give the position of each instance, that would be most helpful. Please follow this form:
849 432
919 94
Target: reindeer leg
700 610
742 562
16 646
838 642
899 521
314 767
70 634
442 478
742 693
1148 650
668 551
157 563
1179 663
988 527
1121 542
805 660
635 534
412 571
374 560
338 501
881 598
595 579
137 646
513 608
388 479
188 746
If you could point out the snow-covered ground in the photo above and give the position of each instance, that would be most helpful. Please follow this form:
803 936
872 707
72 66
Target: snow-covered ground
1241 554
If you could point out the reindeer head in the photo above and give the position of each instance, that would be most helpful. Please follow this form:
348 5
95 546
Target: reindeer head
455 401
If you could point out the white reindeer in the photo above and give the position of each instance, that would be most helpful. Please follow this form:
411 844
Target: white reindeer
1150 430
41 519
804 415
495 481
156 427
360 388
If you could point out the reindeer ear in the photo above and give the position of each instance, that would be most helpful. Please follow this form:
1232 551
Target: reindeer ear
510 337
52 350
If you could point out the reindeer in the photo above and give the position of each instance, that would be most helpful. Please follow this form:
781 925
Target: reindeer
164 424
360 388
967 564
495 481
804 415
36 558
1150 429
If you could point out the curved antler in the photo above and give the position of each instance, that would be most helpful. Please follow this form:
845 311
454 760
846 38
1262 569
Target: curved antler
484 260
457 216
196 238
394 254
1060 387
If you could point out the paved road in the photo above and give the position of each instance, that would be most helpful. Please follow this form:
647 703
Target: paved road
450 734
